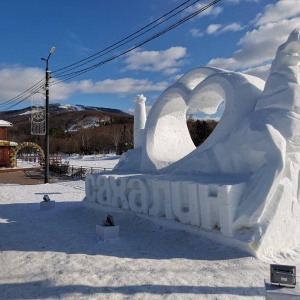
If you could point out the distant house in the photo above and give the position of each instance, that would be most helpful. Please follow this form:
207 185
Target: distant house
5 146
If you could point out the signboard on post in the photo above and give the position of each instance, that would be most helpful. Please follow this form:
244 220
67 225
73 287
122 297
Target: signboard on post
38 117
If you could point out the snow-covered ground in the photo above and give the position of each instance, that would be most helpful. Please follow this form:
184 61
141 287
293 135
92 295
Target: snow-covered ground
57 254
106 161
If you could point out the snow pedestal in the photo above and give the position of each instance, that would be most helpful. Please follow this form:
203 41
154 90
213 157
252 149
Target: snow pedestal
107 232
49 205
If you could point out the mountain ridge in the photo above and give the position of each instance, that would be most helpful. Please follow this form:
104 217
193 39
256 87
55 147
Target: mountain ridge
67 117
67 107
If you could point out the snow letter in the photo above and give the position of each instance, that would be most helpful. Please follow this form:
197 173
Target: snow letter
118 185
180 202
104 190
162 206
139 200
90 188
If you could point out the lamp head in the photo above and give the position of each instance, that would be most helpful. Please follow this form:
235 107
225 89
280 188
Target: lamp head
52 50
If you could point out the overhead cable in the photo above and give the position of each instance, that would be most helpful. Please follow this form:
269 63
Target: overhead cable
69 72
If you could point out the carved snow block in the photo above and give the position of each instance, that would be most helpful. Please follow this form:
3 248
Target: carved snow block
107 232
162 199
49 205
208 195
229 197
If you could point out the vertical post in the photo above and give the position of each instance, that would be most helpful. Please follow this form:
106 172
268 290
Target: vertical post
47 126
47 116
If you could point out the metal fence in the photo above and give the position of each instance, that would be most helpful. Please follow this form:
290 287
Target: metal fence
69 171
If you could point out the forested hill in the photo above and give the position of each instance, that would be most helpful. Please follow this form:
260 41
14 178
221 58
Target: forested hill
73 128
88 130
68 116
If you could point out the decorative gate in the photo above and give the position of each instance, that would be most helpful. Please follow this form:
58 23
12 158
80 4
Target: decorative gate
37 148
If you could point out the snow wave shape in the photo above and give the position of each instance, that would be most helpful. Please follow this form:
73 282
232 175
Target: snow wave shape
167 140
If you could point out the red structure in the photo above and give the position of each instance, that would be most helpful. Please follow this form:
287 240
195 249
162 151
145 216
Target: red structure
5 146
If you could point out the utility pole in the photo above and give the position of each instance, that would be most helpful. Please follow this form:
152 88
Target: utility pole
47 116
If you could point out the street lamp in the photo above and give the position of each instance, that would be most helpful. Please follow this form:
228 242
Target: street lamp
47 116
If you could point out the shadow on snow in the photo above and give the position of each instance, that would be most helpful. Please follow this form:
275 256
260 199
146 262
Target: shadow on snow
71 229
29 289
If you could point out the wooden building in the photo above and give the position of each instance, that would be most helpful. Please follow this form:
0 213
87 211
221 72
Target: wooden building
5 146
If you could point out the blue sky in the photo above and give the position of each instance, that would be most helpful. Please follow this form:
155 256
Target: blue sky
238 35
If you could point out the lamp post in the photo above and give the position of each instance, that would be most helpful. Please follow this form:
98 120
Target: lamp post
47 116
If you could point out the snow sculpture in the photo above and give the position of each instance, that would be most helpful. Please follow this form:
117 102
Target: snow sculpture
243 183
139 120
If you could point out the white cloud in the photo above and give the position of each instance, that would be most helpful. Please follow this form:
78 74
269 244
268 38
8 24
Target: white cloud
119 86
232 27
239 1
218 28
171 71
259 45
62 91
233 1
194 32
166 61
211 11
14 80
283 9
213 28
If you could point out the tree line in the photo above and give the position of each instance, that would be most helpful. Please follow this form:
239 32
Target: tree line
114 135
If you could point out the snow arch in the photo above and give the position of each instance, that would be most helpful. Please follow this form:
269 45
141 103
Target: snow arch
202 89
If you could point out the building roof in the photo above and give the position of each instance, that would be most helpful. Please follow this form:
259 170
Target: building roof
8 143
5 124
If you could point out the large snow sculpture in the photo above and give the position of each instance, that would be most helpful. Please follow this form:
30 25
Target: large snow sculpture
244 180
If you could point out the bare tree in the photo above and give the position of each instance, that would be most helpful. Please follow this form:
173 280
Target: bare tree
116 133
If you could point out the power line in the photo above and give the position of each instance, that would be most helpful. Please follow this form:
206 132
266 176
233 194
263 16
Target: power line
71 75
26 94
126 39
171 2
67 74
